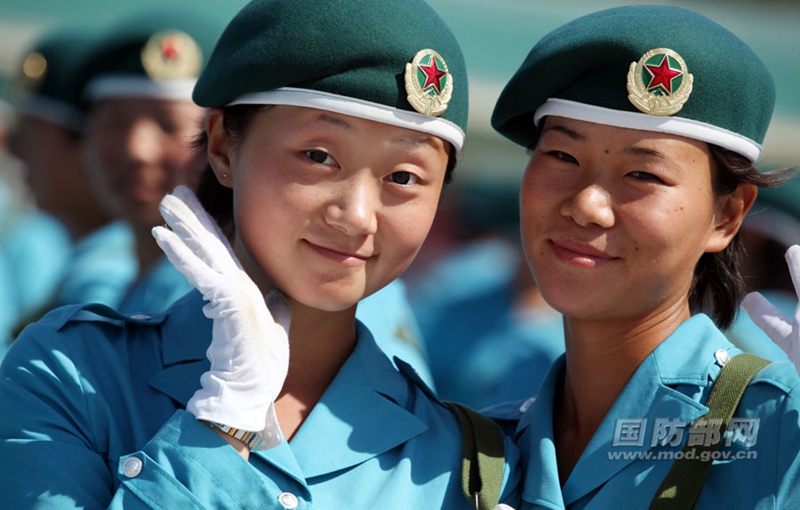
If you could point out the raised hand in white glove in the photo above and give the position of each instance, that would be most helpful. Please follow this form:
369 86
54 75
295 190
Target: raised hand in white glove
781 329
249 349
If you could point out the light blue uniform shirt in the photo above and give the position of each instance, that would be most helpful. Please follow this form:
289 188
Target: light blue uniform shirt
156 290
37 249
93 416
750 338
102 267
483 349
388 316
761 470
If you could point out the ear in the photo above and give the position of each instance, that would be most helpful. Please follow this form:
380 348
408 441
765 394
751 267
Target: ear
731 211
219 147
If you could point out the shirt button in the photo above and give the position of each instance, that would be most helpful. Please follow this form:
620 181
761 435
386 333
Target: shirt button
722 357
132 467
527 404
288 500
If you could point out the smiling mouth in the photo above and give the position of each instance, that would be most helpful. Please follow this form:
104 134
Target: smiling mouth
349 259
579 254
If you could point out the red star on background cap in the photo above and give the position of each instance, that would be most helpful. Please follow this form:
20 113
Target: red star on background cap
662 75
433 75
171 47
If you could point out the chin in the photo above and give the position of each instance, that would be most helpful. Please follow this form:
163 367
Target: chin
319 299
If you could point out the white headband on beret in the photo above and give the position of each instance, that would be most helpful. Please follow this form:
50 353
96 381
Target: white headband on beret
633 120
138 86
358 108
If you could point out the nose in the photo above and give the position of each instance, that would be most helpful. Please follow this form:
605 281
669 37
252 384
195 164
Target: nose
354 208
143 141
591 205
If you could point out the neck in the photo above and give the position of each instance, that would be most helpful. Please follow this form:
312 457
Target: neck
320 344
147 251
601 358
80 227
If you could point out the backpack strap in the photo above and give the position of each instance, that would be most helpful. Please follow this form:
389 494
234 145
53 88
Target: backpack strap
483 459
682 486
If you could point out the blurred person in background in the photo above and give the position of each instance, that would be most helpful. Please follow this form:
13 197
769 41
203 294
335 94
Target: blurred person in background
48 139
136 85
768 231
490 337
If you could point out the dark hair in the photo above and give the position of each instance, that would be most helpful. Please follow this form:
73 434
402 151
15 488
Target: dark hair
718 285
218 199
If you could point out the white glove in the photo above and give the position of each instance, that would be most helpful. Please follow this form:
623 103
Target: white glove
502 506
782 330
249 349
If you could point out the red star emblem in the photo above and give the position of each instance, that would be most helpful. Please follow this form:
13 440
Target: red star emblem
433 75
171 47
662 75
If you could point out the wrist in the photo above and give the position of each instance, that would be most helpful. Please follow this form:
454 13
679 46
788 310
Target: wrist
242 441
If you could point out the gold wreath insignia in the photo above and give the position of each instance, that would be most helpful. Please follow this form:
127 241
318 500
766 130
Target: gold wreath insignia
34 70
426 101
658 104
171 55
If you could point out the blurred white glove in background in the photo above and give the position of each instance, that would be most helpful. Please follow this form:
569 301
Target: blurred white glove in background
783 330
249 349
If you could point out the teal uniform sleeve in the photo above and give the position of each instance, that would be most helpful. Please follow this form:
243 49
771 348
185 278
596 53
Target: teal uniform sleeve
51 456
55 454
187 465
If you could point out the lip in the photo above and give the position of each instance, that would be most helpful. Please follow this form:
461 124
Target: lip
579 254
338 255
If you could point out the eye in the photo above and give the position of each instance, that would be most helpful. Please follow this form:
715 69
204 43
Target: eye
644 176
318 156
404 178
563 156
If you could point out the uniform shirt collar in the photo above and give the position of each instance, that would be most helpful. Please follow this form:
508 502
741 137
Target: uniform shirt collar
668 384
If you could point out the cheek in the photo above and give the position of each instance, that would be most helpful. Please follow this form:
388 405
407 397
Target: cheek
533 206
406 229
99 155
674 230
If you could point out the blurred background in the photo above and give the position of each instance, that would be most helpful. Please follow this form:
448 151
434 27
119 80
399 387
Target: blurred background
478 310
495 35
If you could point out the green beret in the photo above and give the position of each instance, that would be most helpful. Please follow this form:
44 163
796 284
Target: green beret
652 68
46 76
394 61
158 54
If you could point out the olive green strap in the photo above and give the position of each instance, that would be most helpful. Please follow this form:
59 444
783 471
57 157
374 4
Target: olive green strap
682 486
483 457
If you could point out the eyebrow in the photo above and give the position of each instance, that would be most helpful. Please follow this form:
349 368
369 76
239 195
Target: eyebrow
413 141
633 151
643 151
574 135
336 121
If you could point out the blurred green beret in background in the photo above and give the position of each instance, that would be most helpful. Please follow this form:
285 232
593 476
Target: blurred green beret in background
156 54
393 61
45 81
652 68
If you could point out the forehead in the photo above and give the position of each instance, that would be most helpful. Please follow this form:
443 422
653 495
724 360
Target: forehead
305 118
593 133
145 106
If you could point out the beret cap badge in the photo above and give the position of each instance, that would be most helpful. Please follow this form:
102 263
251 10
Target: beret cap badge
34 69
170 55
428 83
659 83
